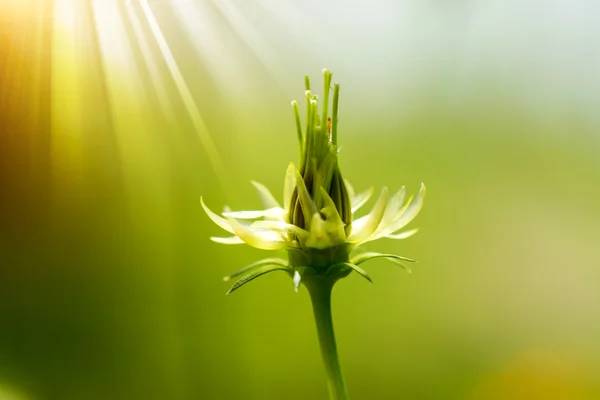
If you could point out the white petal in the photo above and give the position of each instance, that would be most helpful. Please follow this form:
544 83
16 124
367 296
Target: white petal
396 203
289 185
393 210
275 212
266 240
222 222
281 227
403 235
360 199
411 212
394 207
265 196
227 240
365 226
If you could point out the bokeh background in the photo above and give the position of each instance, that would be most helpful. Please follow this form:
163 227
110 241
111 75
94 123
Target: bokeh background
115 116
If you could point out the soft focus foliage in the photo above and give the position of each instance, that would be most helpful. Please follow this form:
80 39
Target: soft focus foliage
116 116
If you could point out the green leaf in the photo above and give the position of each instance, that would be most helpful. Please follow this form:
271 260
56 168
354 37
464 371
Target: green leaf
289 186
361 258
356 268
266 261
350 188
265 269
400 264
323 178
306 202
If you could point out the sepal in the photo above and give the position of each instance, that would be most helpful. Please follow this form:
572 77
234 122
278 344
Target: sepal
256 272
364 257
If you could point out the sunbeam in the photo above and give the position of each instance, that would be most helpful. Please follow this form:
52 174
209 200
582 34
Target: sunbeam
249 35
68 96
202 24
188 99
139 138
157 83
144 151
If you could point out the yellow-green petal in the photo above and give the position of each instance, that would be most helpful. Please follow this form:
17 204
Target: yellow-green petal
222 222
265 195
411 212
227 240
281 227
265 240
403 235
392 212
275 212
359 200
363 227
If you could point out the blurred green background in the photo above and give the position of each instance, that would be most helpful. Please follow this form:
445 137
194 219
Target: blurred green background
115 116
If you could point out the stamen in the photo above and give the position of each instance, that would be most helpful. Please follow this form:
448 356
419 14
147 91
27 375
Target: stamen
334 119
306 82
298 126
325 106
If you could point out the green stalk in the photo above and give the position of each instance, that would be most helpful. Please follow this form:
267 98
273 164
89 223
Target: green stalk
320 294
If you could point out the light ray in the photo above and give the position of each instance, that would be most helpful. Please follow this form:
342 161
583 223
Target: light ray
248 34
186 95
139 142
137 137
206 30
68 95
144 163
157 82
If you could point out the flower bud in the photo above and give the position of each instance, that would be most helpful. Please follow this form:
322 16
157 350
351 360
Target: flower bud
320 203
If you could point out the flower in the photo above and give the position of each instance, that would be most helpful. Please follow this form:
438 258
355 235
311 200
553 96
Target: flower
316 224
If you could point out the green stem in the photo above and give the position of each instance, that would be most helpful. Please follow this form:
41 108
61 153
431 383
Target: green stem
320 294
